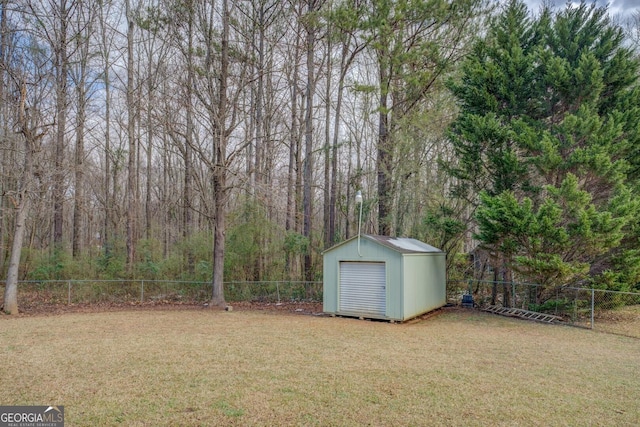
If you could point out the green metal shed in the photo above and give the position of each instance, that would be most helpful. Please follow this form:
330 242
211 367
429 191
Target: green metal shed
380 277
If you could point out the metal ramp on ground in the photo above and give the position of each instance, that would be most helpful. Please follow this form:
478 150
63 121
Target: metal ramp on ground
523 314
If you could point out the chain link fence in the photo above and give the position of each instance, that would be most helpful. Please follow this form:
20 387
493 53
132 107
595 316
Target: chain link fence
76 292
604 310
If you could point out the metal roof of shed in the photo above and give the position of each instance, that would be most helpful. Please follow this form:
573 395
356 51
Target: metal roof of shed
402 245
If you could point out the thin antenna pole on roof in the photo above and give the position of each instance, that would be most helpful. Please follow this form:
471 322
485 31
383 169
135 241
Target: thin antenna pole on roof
359 202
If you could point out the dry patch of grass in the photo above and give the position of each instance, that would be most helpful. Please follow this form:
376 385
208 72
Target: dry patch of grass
623 320
149 368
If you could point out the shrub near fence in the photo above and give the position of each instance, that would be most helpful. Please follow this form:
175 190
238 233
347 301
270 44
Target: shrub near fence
610 311
41 293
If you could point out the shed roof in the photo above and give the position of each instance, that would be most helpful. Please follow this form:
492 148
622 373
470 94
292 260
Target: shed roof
402 245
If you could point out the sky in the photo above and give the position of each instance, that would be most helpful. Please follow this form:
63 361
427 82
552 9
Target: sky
623 8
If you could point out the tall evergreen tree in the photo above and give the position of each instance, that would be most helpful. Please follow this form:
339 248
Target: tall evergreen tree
545 135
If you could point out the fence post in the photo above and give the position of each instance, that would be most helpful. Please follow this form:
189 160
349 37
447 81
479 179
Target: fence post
141 291
593 304
278 291
69 292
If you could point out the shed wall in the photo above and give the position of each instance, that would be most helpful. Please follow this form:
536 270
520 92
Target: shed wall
425 283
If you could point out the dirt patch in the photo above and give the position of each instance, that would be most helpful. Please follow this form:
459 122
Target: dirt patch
291 307
294 307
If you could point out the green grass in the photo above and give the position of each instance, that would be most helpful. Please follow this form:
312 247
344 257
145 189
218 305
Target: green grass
172 368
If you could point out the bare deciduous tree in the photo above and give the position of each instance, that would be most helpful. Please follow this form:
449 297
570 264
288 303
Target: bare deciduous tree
24 75
132 205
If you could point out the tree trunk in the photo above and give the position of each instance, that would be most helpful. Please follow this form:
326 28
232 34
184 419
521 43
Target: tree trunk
61 69
187 225
83 49
294 154
151 76
166 210
11 286
260 164
383 167
328 238
217 295
21 206
220 167
78 207
494 286
308 139
131 167
507 285
294 143
6 157
108 203
259 103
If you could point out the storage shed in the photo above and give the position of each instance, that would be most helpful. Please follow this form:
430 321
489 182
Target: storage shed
380 277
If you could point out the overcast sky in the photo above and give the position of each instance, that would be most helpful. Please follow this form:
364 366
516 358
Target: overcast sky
616 7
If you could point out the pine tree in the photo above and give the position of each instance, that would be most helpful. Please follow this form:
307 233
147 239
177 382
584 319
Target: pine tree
546 138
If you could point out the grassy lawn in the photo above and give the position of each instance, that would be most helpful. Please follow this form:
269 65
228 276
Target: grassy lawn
171 368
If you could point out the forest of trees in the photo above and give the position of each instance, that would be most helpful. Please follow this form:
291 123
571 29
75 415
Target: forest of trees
220 140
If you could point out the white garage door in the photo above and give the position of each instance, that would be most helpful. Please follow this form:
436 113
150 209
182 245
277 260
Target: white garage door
363 288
